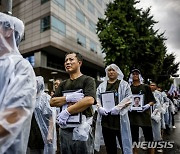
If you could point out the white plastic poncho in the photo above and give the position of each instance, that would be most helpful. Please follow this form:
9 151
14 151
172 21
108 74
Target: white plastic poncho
156 116
17 88
124 93
45 117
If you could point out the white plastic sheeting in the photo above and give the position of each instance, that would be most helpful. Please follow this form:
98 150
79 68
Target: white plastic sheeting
17 88
46 118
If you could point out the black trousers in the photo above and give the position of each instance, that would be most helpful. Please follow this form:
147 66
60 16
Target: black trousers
147 131
109 136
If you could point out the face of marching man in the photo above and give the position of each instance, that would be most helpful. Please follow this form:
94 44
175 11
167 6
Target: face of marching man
72 63
112 74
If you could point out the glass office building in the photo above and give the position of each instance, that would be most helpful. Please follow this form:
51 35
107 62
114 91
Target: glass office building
55 27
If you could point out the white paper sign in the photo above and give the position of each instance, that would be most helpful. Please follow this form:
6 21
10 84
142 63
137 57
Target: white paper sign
107 100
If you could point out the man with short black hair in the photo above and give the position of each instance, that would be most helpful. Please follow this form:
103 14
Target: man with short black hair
80 103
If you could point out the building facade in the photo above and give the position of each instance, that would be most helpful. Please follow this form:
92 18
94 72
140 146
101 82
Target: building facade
56 27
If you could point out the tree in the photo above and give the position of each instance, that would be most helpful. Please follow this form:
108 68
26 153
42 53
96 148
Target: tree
129 40
169 68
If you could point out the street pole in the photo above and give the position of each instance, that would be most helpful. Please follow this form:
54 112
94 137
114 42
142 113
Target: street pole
7 6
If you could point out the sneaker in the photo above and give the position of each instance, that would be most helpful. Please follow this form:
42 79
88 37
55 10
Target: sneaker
144 148
174 127
160 150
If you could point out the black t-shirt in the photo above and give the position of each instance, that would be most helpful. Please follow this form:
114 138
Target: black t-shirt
86 83
142 118
112 121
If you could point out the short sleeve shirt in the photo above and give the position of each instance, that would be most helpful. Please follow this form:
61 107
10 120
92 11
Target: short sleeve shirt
142 118
86 83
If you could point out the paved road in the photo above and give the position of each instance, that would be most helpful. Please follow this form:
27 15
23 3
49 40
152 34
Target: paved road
173 137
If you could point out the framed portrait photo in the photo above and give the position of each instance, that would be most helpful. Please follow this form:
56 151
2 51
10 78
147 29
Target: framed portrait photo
108 100
137 102
73 118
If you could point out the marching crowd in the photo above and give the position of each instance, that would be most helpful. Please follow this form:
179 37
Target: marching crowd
79 116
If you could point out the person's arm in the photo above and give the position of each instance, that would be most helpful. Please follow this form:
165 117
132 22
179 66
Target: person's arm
89 99
3 132
81 105
151 98
50 130
10 116
18 102
151 103
57 101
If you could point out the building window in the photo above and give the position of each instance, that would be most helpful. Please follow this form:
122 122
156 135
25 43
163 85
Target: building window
92 26
61 3
80 16
99 2
45 23
81 39
44 1
91 7
93 46
82 1
58 26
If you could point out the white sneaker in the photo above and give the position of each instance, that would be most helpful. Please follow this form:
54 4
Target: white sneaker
144 148
174 127
160 150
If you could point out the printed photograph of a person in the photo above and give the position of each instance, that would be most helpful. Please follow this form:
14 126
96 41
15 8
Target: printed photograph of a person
137 102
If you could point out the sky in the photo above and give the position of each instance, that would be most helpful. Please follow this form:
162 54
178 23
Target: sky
167 13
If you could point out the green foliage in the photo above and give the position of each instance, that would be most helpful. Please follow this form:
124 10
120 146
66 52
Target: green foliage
129 40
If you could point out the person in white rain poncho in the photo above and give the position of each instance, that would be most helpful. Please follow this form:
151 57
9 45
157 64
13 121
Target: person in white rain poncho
17 88
156 112
114 122
42 137
141 118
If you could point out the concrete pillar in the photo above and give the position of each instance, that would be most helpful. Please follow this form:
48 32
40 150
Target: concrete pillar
40 59
6 6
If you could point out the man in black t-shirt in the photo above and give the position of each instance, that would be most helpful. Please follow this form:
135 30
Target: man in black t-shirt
82 102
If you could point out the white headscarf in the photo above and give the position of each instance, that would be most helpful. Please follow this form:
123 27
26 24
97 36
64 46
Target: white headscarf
117 69
141 80
11 33
40 84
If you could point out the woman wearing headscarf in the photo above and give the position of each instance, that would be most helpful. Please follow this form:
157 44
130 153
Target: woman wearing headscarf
17 88
42 139
114 123
142 118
